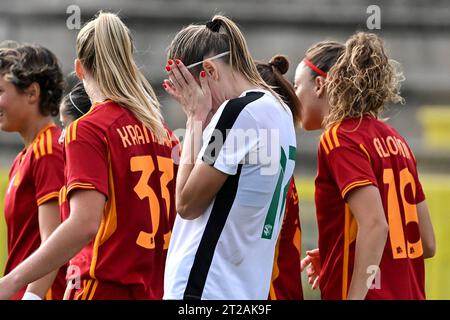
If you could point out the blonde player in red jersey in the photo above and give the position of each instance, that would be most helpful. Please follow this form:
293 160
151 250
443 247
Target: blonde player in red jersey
31 86
374 224
119 179
286 275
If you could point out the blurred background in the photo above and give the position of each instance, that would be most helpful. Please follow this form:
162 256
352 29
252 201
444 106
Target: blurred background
416 33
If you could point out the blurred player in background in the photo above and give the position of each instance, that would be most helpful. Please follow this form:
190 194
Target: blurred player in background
286 274
31 86
74 105
119 178
374 224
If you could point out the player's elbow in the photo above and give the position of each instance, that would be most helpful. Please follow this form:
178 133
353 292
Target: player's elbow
378 228
429 249
87 229
187 211
186 208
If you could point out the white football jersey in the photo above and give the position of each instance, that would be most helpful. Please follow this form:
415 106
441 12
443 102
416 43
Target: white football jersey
228 251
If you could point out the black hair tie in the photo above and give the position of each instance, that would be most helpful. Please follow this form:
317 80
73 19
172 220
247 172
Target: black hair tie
214 26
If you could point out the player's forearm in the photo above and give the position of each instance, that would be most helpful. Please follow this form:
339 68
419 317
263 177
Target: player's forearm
40 287
62 245
191 147
370 243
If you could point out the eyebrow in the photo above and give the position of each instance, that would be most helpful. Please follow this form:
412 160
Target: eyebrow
217 56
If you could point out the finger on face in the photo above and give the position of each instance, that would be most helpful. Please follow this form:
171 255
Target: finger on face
176 76
184 71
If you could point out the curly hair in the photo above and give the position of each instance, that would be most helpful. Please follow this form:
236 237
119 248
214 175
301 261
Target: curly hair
26 64
363 80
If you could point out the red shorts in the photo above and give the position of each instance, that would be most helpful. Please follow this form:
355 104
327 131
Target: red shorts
92 289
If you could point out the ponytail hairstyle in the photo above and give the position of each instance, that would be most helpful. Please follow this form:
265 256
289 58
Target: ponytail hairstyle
196 42
105 49
362 80
272 73
25 64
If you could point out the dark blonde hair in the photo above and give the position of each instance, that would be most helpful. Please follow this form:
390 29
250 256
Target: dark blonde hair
195 42
272 73
24 64
362 80
324 55
105 49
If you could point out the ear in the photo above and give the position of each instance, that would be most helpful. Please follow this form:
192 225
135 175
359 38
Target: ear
79 70
211 69
33 93
319 87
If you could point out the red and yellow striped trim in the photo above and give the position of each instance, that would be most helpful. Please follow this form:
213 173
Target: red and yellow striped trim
330 141
47 197
71 132
354 185
62 195
79 185
89 288
43 143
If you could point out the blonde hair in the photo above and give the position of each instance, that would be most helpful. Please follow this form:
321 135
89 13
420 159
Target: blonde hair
105 49
362 80
195 42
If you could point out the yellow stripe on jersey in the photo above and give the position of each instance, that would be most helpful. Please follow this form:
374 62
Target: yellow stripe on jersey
354 185
335 138
108 224
86 290
42 144
324 145
365 151
62 195
275 270
47 197
94 287
35 150
328 139
48 133
80 186
346 253
350 233
74 130
49 295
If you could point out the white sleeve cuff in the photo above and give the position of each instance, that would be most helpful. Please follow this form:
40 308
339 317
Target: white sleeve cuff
30 296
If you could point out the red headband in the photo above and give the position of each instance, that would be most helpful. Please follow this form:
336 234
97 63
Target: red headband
315 68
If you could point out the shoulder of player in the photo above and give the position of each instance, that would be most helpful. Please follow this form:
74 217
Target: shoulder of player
46 143
250 106
342 134
97 121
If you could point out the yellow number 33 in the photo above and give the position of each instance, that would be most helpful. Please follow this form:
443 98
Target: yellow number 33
146 165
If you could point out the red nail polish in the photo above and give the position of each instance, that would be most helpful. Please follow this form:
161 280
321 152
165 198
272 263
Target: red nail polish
177 61
170 62
168 68
202 74
164 86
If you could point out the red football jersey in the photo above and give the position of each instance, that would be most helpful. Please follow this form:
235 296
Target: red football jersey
286 275
36 176
358 153
110 151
